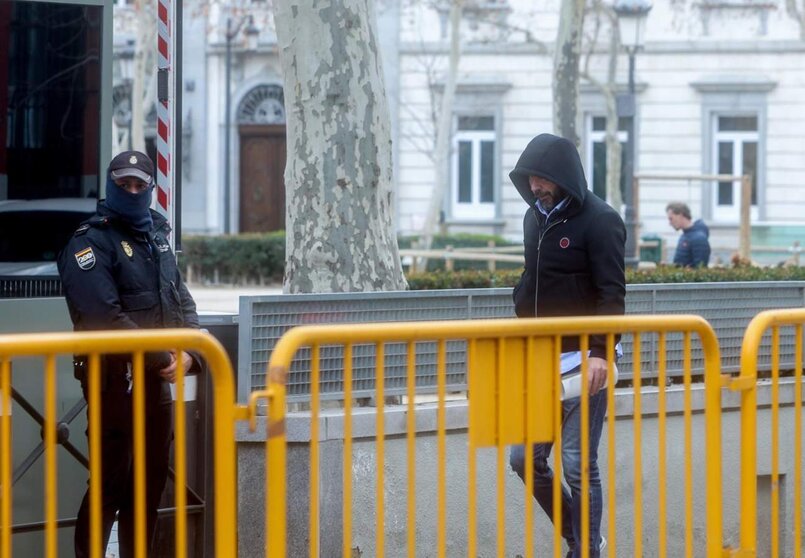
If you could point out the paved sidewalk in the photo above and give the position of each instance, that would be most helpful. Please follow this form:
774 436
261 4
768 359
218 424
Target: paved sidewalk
226 299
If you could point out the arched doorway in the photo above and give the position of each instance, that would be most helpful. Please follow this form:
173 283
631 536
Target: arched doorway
261 125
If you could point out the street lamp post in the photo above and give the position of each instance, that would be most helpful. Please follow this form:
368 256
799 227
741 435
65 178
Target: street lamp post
631 21
231 32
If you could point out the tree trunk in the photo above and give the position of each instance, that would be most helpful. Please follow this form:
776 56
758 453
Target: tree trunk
566 69
614 151
338 176
614 148
608 91
444 130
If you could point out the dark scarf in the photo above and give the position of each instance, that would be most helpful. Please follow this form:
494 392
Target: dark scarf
131 208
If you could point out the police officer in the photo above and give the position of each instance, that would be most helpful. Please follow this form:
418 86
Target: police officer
119 272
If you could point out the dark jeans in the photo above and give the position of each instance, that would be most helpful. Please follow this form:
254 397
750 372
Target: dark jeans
117 471
572 466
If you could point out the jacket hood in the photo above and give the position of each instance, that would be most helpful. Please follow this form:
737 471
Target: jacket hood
552 158
699 226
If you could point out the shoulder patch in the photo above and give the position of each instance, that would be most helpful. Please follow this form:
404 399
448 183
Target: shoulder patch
85 259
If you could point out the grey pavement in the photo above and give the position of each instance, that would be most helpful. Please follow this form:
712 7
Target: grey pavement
227 298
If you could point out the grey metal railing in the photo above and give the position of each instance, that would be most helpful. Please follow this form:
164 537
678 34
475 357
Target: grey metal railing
263 319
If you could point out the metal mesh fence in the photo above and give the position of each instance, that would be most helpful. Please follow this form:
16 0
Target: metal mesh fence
265 319
727 306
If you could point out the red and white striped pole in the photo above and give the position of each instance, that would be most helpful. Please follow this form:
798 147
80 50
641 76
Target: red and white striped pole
165 112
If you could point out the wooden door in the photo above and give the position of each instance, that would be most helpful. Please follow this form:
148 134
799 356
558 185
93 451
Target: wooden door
262 186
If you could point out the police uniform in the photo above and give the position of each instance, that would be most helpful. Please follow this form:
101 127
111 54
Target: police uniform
116 277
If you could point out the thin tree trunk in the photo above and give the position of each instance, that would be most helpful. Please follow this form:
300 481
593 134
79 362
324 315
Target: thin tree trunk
614 154
566 69
444 130
613 144
338 176
609 92
797 12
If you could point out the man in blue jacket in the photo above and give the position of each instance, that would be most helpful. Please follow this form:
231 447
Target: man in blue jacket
574 266
693 248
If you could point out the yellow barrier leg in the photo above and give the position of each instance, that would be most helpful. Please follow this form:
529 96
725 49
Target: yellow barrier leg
180 460
95 465
51 489
5 457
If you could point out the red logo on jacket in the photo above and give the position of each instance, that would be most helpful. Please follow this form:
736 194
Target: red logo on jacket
564 242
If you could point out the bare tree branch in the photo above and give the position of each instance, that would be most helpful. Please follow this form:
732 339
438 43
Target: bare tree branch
423 142
608 90
797 12
444 128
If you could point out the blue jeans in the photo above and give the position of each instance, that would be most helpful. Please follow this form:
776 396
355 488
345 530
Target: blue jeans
571 465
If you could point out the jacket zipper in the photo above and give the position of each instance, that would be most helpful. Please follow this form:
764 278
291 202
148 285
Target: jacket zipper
155 254
539 246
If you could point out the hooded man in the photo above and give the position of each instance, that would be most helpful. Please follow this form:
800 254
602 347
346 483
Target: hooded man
118 272
574 266
693 248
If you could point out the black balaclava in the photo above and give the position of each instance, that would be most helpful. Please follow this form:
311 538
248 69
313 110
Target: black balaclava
134 209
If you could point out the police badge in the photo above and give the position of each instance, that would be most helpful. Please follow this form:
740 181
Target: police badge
85 259
127 248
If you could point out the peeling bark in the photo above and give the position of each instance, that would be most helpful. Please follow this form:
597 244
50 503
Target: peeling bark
338 176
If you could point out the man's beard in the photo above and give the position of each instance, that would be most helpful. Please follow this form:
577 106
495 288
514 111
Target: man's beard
550 201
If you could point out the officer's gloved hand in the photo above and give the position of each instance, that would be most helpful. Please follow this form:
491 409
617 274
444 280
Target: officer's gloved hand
169 373
157 360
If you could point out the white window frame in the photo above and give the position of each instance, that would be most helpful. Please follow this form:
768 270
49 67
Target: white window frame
726 97
598 136
732 213
475 209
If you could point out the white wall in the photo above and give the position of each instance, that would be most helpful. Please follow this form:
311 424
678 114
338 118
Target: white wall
678 53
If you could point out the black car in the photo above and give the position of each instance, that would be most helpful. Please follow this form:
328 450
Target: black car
31 234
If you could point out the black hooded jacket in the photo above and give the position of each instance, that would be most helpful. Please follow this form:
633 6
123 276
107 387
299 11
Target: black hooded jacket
574 263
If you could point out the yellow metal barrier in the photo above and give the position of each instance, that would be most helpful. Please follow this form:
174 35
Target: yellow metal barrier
747 383
95 344
513 399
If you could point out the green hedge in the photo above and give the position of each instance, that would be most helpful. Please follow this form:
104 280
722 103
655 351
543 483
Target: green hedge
260 258
465 279
673 274
234 259
477 279
461 240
